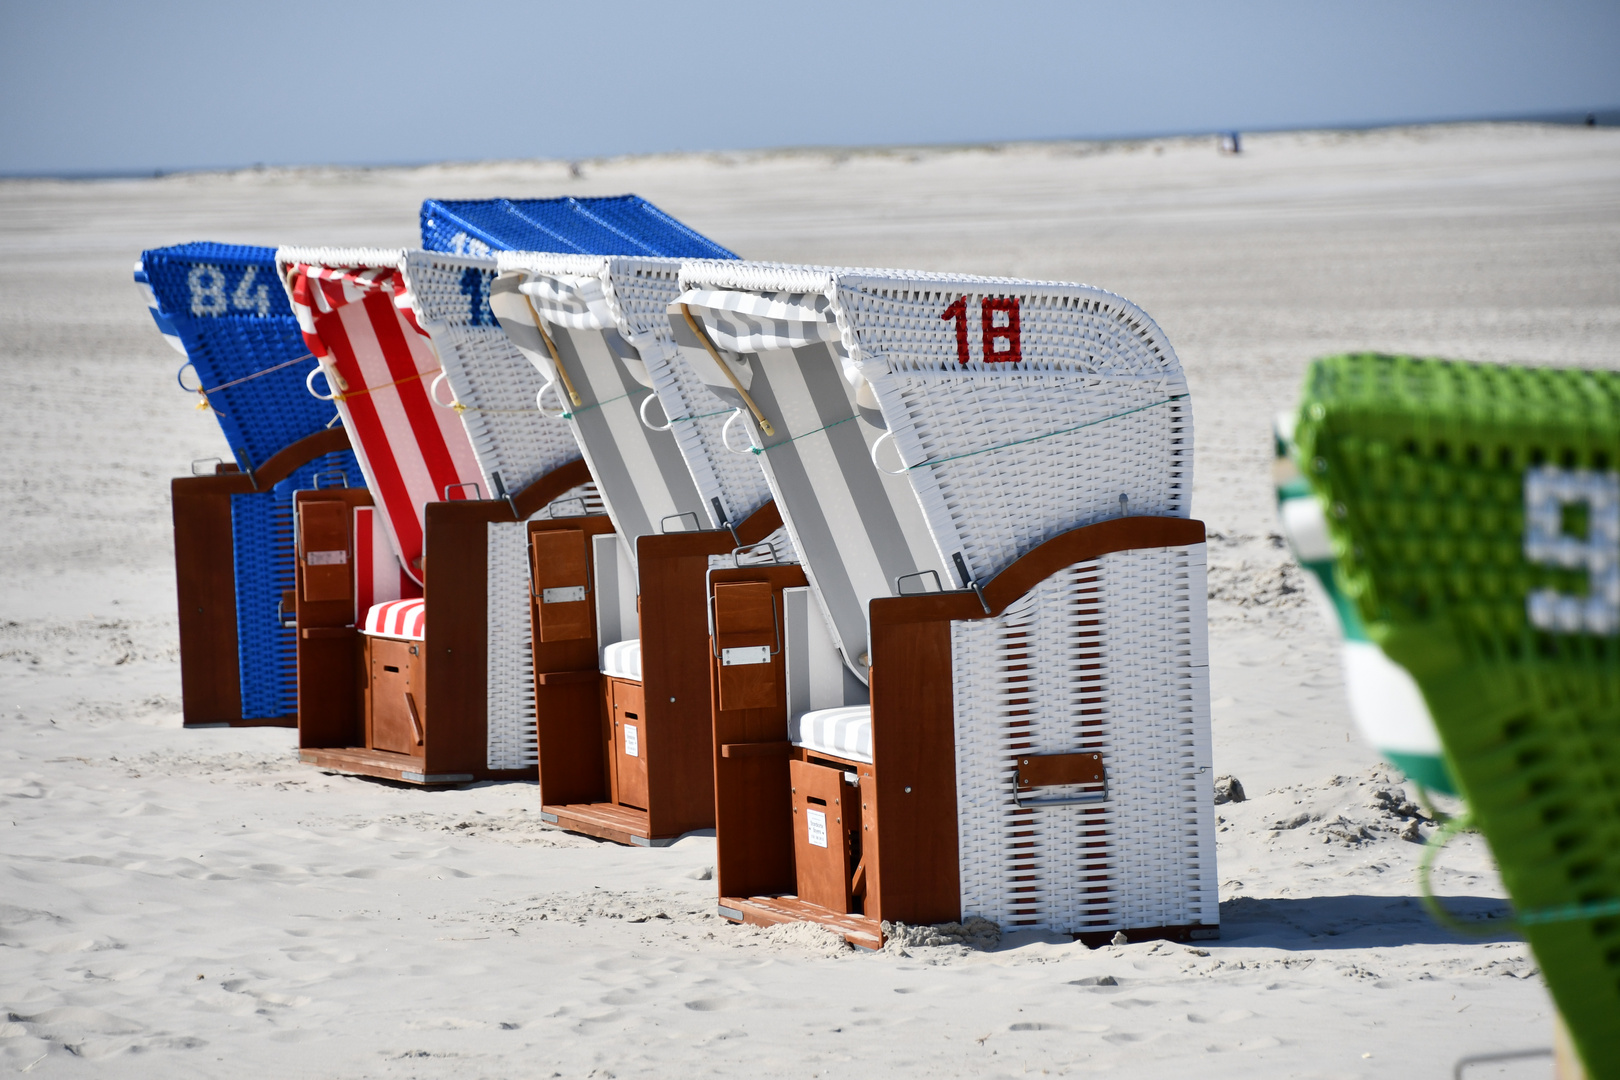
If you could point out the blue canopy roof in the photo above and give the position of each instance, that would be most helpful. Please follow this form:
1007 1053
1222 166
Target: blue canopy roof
609 225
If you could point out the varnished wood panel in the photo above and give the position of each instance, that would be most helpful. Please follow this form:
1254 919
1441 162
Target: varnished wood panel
753 816
673 571
205 587
824 809
331 673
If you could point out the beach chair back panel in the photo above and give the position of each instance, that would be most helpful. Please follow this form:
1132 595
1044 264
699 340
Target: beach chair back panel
732 486
618 614
221 307
858 530
357 315
599 387
1020 410
487 382
378 576
1108 656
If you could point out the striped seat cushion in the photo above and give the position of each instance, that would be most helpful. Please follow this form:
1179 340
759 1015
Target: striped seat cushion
844 732
402 619
622 660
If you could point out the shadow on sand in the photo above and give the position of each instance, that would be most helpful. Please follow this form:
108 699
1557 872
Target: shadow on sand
1356 922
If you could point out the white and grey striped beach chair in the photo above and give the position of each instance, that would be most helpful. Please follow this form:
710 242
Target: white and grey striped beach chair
988 482
624 723
440 408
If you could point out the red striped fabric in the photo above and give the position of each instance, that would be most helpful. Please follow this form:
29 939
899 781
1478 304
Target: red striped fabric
403 619
377 573
360 323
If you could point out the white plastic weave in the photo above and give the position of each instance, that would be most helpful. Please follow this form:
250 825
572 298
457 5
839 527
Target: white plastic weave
491 383
509 681
1108 656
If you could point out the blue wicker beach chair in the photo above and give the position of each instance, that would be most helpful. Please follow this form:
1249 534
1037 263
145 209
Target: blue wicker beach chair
221 307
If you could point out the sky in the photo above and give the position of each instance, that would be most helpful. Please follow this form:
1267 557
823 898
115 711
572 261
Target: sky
93 87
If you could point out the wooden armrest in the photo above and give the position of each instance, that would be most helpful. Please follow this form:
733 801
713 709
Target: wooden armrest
755 749
560 678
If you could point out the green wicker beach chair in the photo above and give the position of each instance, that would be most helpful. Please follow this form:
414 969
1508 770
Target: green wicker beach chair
1473 517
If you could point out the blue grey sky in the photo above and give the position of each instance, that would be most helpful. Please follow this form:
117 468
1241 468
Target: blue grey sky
88 86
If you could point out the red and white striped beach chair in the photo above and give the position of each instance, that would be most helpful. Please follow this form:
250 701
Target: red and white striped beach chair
440 410
991 698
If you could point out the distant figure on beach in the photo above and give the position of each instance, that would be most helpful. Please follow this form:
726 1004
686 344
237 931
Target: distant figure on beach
1591 119
1232 143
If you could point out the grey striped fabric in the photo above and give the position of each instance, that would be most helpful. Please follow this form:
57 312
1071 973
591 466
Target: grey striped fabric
608 321
639 473
857 530
614 583
993 455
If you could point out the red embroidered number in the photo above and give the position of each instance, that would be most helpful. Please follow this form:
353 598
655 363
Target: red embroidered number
957 313
998 322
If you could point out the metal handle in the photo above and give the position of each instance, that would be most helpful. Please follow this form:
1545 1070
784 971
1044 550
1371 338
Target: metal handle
309 384
448 488
667 518
642 412
725 434
433 392
879 442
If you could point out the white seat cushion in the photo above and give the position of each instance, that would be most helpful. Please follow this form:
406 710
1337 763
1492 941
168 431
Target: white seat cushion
622 660
844 732
405 620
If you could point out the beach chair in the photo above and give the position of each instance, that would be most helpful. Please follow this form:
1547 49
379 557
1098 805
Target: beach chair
456 458
621 654
1384 700
988 482
1473 520
220 307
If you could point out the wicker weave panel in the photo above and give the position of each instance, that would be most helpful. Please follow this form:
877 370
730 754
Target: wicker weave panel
510 671
1108 656
493 384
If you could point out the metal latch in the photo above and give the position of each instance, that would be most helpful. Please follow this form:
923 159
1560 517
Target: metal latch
567 594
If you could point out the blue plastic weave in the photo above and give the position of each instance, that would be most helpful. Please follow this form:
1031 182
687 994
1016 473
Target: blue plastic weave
610 225
262 533
230 314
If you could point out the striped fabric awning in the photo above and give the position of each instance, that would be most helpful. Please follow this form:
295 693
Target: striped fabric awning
402 619
358 318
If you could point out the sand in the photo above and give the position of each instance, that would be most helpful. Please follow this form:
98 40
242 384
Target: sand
197 903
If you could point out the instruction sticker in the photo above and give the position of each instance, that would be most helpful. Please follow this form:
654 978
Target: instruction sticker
632 746
817 822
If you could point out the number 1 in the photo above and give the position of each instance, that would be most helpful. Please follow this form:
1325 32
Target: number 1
1002 338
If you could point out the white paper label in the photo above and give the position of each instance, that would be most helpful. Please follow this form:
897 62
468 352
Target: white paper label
325 558
631 743
568 594
749 654
817 823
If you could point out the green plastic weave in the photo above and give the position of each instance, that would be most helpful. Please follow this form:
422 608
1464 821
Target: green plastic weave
1426 467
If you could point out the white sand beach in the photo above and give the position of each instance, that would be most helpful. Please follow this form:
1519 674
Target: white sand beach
197 903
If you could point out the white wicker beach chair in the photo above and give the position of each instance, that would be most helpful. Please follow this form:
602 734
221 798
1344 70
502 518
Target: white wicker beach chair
440 408
630 762
988 482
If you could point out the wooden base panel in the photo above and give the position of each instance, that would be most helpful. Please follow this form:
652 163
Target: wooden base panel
859 930
606 821
358 761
